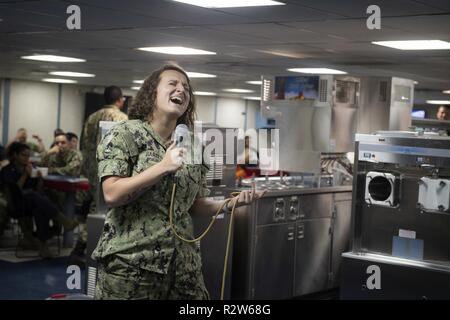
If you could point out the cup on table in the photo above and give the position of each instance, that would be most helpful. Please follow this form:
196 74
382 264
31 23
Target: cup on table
43 170
34 173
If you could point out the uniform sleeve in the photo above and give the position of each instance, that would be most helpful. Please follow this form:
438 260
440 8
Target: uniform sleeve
113 155
72 165
203 191
45 160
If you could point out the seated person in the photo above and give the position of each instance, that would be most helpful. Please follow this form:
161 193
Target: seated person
21 136
28 202
442 113
3 160
247 162
3 210
61 159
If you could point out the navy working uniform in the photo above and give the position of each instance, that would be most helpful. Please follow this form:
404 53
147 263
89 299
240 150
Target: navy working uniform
139 255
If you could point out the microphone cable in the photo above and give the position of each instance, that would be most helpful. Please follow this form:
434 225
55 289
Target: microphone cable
204 233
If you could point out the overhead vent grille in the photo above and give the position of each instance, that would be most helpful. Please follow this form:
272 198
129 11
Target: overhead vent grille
323 90
267 90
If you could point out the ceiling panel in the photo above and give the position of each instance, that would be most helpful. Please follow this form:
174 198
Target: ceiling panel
354 30
275 32
179 14
293 11
248 41
440 4
355 9
424 27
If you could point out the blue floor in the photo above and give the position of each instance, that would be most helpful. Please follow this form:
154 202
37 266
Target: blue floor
35 280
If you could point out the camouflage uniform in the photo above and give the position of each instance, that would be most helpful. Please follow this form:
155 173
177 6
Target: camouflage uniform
138 254
65 164
91 138
89 142
33 147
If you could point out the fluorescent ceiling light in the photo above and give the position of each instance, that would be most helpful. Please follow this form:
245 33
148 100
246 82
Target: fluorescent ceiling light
190 75
256 82
204 93
176 50
416 82
59 80
252 98
446 91
72 74
231 3
135 88
200 75
438 101
317 70
286 54
415 44
52 58
238 90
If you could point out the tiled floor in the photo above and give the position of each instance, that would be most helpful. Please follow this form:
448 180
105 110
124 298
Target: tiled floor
36 280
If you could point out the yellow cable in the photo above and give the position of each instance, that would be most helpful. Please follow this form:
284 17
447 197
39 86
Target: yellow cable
222 290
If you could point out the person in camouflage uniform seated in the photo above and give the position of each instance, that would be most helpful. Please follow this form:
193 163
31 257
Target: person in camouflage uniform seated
21 136
138 254
61 160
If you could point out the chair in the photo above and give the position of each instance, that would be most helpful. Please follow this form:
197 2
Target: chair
15 208
21 252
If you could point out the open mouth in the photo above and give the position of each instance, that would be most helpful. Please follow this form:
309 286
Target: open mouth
177 100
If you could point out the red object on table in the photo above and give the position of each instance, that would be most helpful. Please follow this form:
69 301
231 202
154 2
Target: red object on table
65 183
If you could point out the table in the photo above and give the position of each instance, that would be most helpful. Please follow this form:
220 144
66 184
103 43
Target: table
69 185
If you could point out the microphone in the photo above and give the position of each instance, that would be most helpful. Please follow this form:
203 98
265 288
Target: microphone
180 136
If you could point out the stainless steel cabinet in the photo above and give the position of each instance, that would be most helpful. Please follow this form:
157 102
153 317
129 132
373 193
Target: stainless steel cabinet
341 226
274 261
288 245
312 256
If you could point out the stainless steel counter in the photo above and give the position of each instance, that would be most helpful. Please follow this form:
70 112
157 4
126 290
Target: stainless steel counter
288 243
303 191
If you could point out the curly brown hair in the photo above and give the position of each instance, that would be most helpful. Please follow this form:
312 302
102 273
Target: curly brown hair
145 102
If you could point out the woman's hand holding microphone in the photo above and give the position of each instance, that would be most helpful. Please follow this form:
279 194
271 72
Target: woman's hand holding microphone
174 158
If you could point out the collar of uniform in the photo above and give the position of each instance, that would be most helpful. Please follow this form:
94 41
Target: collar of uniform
156 136
111 106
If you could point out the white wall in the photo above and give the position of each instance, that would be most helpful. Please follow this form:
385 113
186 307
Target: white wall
72 108
252 110
205 108
231 113
34 106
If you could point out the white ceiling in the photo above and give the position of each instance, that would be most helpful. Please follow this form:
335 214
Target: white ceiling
312 33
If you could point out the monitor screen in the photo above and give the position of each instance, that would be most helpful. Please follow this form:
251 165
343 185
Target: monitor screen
296 88
418 114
